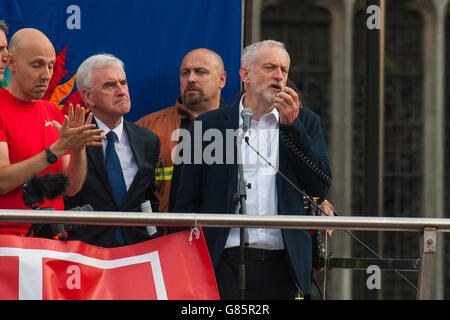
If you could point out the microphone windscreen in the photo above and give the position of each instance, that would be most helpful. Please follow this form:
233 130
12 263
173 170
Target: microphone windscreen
49 186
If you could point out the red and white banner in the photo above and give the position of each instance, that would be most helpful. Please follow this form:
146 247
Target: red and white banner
169 267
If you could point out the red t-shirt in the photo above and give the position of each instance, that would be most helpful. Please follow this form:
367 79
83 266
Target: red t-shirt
27 129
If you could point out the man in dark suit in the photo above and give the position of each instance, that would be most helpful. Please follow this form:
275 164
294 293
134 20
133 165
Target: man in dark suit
278 262
121 173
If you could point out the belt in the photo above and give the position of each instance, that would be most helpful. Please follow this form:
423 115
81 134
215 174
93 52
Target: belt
257 254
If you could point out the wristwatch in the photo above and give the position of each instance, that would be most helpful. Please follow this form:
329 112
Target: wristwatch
51 157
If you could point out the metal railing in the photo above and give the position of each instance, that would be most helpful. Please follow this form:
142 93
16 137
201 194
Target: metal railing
427 227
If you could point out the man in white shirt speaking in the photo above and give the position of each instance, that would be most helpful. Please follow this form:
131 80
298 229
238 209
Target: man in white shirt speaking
277 262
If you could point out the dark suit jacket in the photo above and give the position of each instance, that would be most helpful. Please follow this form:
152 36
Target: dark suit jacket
97 190
210 188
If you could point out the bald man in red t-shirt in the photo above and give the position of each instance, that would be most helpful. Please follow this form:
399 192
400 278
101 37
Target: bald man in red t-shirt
35 138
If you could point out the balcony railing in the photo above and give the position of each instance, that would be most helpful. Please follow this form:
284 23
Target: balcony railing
426 227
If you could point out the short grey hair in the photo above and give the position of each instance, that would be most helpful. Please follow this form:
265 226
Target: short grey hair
3 26
249 52
84 72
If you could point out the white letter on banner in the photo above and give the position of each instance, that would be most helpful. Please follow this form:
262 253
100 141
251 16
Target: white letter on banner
73 21
30 273
30 268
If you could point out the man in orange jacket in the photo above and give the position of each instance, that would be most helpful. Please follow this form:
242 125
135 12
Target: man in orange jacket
202 78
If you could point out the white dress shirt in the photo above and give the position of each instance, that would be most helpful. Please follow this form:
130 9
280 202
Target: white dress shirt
262 196
123 150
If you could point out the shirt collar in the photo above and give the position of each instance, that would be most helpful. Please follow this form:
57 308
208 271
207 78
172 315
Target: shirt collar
117 130
273 113
183 110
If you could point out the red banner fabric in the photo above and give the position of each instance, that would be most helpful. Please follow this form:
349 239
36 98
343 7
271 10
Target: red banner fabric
166 268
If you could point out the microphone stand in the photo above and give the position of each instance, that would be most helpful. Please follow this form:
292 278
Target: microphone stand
241 196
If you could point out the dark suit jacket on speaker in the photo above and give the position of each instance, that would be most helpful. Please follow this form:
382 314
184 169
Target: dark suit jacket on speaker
97 191
210 188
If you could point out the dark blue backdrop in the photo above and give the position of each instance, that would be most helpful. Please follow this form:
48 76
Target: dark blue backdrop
151 37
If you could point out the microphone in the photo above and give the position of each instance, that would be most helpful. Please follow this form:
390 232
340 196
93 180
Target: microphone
56 231
247 115
49 186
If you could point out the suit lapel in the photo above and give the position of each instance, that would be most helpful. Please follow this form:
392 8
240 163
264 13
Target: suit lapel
136 144
231 116
97 158
282 159
231 121
283 152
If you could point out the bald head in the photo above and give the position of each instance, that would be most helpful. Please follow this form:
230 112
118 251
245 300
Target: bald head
202 78
207 55
28 38
31 60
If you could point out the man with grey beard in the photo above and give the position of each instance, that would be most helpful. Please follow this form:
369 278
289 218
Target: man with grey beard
278 263
202 78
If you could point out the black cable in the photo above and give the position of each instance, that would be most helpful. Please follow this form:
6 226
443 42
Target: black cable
318 208
289 141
